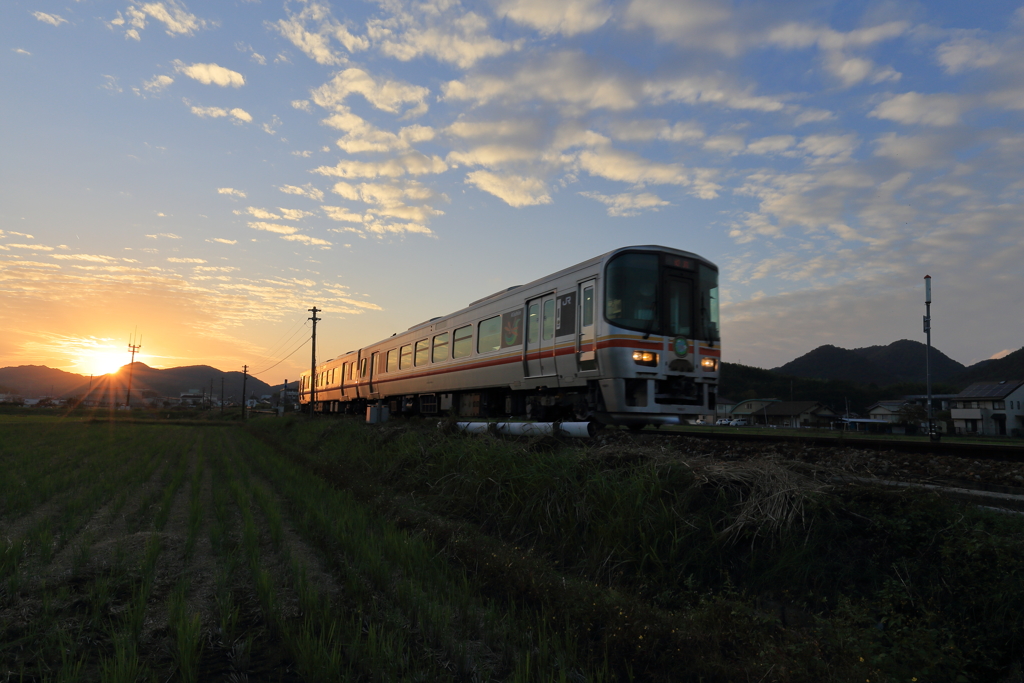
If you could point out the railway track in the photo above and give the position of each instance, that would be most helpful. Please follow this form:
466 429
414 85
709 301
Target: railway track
987 451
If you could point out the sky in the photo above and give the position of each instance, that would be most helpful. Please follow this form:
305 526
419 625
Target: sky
200 175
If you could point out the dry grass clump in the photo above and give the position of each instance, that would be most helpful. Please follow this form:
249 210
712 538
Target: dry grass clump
770 499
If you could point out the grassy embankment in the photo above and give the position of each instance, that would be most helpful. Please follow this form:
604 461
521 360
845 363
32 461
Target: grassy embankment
328 550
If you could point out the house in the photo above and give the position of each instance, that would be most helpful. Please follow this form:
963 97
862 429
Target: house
799 414
908 414
723 408
746 409
887 411
990 409
772 411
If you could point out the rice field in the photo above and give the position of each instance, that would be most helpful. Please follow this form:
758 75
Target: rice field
295 550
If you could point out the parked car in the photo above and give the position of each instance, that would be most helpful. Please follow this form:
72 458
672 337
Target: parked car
738 422
723 421
699 422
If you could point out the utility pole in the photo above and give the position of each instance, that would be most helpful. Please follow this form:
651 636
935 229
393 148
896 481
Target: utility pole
210 404
131 366
245 378
932 434
312 364
222 394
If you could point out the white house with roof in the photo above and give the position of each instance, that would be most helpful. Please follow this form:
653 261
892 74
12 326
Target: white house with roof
990 409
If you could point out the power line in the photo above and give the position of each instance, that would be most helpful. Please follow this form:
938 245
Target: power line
281 344
304 342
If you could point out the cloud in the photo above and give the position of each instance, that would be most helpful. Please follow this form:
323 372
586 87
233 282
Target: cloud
157 83
293 214
221 240
259 213
18 50
175 259
52 19
829 148
413 163
176 18
773 144
708 90
273 227
457 37
211 74
966 52
231 192
306 239
35 247
656 129
836 46
305 191
912 151
361 136
800 35
568 17
386 95
166 235
693 23
912 107
312 31
341 214
504 128
514 190
219 112
402 201
569 78
92 258
629 203
492 155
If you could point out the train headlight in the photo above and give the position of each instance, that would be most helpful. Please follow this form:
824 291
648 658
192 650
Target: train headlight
709 364
645 358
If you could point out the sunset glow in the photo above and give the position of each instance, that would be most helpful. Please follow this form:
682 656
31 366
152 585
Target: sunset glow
226 167
101 362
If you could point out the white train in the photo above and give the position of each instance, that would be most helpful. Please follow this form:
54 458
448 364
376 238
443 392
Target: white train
629 337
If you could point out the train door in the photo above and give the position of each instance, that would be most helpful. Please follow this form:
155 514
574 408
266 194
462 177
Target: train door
587 345
540 336
374 358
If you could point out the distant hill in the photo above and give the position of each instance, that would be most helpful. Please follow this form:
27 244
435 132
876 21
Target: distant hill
1008 367
38 380
899 362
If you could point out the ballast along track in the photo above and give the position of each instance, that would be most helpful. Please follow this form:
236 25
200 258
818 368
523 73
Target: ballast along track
990 451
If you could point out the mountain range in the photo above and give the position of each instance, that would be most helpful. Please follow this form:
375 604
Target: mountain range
902 361
38 380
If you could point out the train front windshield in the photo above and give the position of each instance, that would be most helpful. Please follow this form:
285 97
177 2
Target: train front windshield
662 294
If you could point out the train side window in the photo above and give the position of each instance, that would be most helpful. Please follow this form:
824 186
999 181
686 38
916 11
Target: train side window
392 361
362 367
405 358
344 369
422 352
462 342
588 306
533 325
549 320
440 348
489 335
